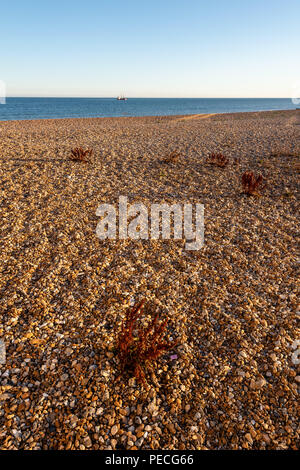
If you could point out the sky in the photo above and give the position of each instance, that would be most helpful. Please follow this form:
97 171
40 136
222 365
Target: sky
153 48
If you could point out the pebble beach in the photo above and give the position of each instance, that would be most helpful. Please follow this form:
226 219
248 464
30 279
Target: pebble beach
231 381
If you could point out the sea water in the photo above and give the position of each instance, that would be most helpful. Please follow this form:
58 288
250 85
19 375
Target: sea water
56 108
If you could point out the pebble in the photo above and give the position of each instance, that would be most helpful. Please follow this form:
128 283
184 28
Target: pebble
87 442
114 429
151 407
171 428
257 384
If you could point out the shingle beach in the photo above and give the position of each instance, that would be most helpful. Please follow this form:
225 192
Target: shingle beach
232 380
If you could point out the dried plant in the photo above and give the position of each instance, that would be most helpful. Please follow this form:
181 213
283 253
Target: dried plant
218 159
80 155
172 157
251 183
137 347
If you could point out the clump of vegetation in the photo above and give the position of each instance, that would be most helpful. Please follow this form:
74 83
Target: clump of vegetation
173 157
218 159
138 346
251 183
78 154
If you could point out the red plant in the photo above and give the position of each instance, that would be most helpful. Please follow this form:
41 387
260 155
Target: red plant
218 159
172 157
137 351
251 183
80 155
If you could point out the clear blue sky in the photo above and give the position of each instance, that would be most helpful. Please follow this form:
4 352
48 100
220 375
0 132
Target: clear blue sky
150 48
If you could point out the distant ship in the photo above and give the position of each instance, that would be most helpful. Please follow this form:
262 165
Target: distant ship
121 98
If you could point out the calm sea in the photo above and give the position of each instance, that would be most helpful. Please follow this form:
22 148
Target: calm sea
50 108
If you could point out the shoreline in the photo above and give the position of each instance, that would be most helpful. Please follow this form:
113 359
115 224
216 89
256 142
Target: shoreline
163 116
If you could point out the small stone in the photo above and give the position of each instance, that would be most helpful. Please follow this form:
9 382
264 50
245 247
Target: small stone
260 383
137 420
87 441
252 384
4 396
114 429
2 352
73 421
139 409
151 407
16 434
139 442
243 354
266 438
171 428
194 429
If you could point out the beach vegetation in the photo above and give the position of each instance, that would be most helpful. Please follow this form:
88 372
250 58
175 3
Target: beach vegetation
138 346
78 154
251 183
218 159
173 157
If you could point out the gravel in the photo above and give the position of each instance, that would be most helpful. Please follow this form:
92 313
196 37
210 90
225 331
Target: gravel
232 305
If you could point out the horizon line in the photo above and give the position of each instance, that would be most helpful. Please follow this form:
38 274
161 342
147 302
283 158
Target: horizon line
165 97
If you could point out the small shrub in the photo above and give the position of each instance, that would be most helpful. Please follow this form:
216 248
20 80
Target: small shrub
137 348
80 155
218 159
172 157
251 183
